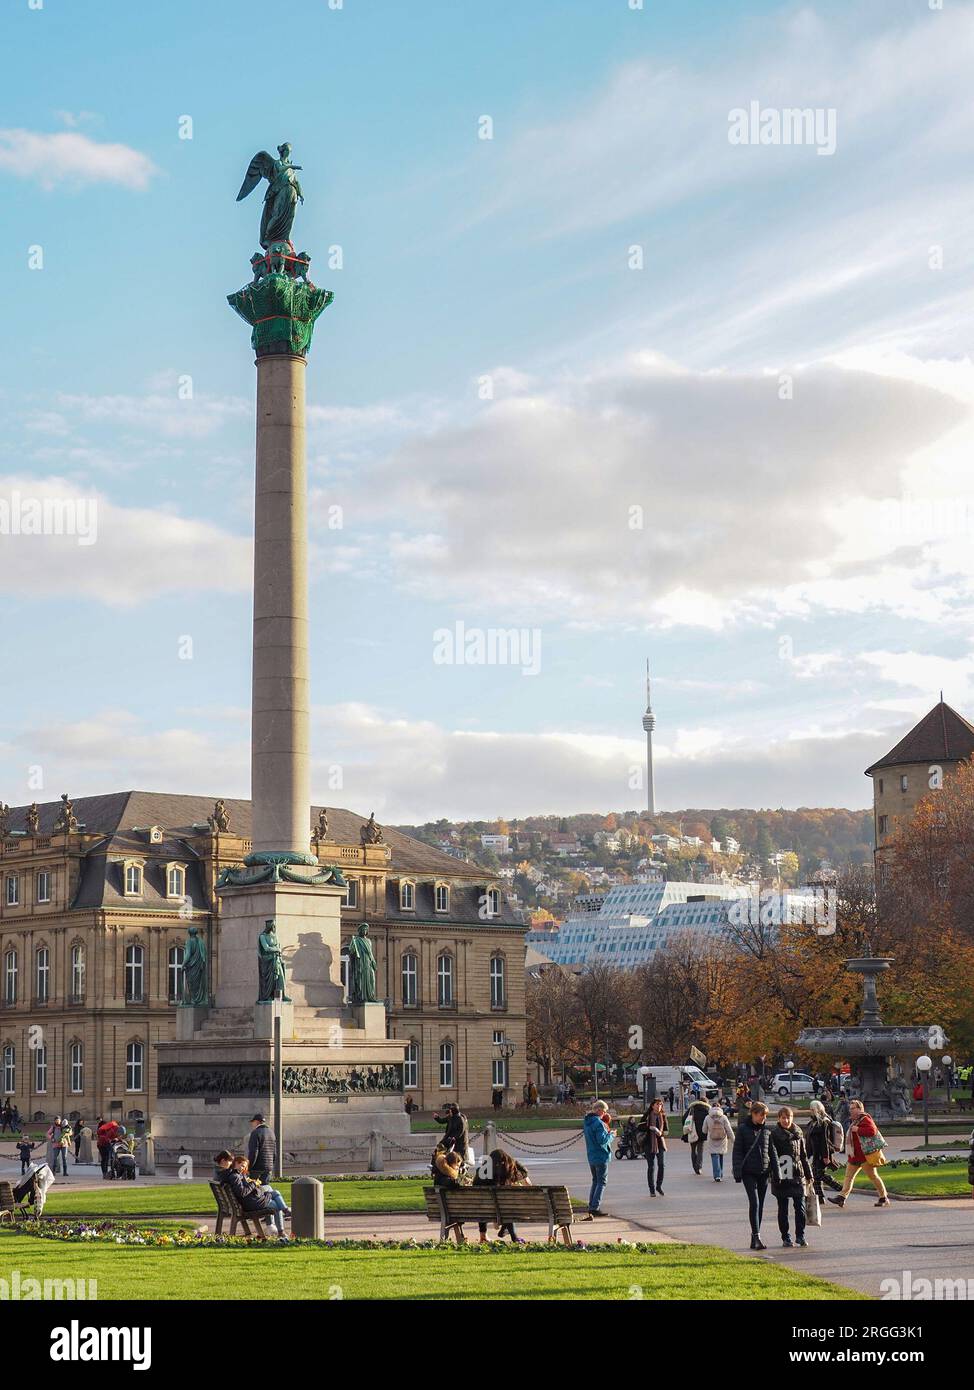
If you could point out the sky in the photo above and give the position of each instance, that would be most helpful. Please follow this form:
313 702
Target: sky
613 371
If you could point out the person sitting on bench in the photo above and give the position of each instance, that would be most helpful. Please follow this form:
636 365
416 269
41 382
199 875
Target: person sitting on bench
248 1195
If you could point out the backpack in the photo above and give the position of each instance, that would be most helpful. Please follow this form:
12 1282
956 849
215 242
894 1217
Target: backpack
836 1136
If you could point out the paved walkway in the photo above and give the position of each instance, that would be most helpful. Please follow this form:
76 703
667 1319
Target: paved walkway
858 1246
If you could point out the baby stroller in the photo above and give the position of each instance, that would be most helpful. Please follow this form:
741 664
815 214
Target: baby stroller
632 1141
121 1163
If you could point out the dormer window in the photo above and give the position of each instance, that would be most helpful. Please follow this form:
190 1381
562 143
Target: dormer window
492 902
407 896
441 897
175 881
133 880
155 834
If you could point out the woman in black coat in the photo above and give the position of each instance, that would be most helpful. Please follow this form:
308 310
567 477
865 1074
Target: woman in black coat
790 1170
751 1163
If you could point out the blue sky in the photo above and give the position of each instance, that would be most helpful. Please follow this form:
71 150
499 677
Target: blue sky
781 395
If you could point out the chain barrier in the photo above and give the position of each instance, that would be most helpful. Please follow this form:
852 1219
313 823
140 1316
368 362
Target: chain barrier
540 1148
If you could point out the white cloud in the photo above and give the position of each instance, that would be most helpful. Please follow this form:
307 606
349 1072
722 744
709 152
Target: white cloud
114 554
72 158
649 493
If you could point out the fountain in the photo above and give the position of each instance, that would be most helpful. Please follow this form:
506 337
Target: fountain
873 1044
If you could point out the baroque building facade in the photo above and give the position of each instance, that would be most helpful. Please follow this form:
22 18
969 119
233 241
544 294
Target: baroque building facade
95 900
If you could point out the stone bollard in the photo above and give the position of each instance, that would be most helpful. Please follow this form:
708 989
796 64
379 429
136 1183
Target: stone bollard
375 1152
308 1209
148 1164
490 1137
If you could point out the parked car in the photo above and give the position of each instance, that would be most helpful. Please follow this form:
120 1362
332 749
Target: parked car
796 1083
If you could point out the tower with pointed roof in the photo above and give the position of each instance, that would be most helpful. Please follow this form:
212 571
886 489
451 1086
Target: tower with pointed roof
649 724
920 763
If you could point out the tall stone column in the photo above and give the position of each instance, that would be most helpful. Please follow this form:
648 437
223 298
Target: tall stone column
280 777
281 305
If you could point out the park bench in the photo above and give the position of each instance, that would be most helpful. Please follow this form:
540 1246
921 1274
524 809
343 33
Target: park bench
10 1209
229 1209
451 1206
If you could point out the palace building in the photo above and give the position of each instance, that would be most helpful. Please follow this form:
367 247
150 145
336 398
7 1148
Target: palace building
95 900
923 760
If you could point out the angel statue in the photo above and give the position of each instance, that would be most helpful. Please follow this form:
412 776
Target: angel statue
281 198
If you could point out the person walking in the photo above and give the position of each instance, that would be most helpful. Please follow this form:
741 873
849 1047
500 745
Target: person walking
78 1126
719 1133
24 1149
821 1147
842 1111
65 1144
598 1149
654 1145
864 1149
260 1150
970 1163
751 1165
693 1121
790 1170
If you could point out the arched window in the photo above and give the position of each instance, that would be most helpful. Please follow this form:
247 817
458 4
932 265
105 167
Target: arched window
10 977
134 1067
9 1069
444 981
133 879
410 1070
410 980
42 975
176 881
407 896
498 983
442 897
493 902
135 974
76 1064
40 1069
446 1064
77 973
175 973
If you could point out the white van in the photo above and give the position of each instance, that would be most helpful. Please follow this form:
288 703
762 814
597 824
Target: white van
672 1076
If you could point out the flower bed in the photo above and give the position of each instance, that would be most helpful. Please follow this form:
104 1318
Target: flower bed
117 1233
930 1161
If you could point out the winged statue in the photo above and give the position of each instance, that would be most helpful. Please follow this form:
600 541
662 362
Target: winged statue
281 198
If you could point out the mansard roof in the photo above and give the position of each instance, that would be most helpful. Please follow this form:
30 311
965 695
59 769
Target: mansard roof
118 814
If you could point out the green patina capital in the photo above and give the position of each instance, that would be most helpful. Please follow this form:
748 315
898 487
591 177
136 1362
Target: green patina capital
281 304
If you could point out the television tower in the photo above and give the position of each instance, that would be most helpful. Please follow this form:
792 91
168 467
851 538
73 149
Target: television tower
649 724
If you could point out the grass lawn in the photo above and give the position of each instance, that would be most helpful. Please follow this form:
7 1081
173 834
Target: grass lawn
672 1272
946 1180
124 1199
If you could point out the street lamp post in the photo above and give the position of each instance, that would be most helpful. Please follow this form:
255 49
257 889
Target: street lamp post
923 1067
947 1062
506 1050
790 1069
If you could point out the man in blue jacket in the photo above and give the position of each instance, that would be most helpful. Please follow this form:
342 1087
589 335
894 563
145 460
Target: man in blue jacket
598 1146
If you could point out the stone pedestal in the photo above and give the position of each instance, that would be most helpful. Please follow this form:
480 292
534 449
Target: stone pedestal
309 930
